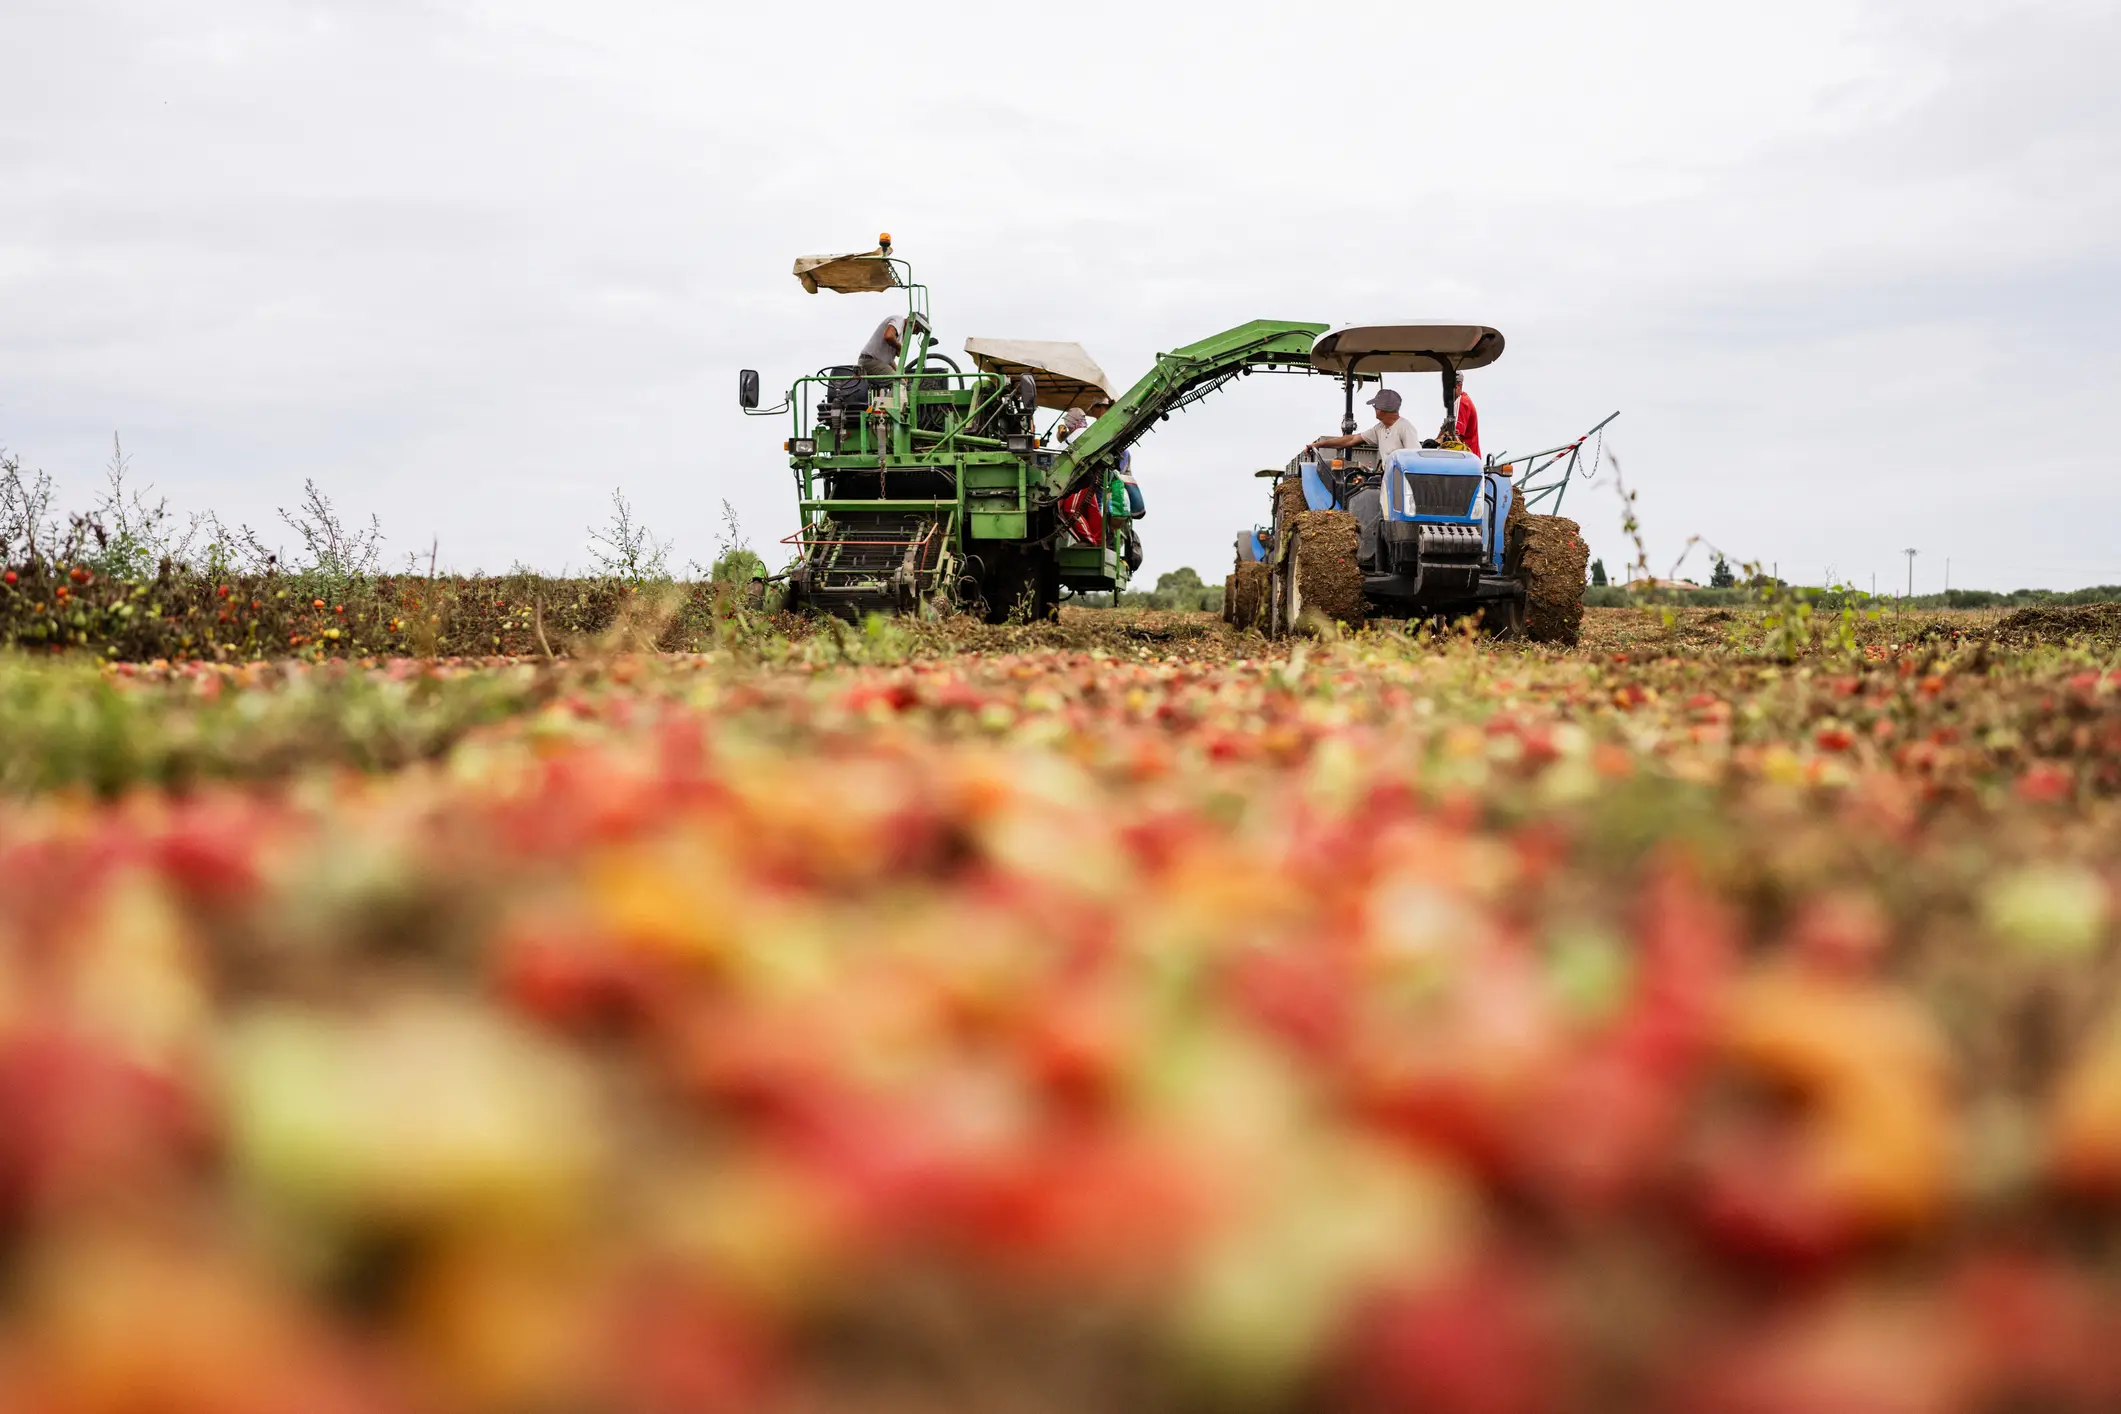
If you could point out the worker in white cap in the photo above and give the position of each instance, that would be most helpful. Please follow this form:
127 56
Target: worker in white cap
1389 434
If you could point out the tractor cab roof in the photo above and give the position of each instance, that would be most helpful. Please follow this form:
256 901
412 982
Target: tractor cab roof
864 273
1067 376
1407 347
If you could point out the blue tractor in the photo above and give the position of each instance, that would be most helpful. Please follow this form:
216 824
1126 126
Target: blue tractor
1429 531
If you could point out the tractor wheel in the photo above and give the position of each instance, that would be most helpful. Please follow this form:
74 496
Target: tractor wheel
1547 555
1319 578
1289 502
1504 619
1020 586
1246 598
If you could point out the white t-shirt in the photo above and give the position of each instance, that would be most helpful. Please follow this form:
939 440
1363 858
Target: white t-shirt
1398 437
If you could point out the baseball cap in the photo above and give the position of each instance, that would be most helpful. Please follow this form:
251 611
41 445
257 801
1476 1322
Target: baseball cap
1385 401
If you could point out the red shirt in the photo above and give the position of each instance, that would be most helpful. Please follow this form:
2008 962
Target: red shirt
1469 424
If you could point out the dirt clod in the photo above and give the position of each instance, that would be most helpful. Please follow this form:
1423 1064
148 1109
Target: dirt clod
2042 624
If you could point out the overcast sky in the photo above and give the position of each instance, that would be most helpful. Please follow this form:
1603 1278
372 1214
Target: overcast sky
1850 269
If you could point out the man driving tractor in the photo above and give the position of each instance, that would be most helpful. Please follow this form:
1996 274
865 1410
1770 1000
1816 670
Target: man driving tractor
1389 434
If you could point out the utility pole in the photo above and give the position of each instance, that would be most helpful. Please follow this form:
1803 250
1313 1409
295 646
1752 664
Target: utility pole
1947 574
1910 571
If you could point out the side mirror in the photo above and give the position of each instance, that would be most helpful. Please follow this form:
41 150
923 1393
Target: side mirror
747 389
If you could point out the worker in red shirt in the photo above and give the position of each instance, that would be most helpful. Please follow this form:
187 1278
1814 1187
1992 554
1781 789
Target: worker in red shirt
1468 420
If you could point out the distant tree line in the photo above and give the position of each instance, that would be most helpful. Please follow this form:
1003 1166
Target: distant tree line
1180 589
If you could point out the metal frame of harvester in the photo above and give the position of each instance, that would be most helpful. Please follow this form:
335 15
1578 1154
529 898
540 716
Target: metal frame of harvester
932 487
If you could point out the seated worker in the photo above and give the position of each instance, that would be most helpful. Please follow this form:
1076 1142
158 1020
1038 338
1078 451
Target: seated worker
879 357
1131 544
1389 434
1135 508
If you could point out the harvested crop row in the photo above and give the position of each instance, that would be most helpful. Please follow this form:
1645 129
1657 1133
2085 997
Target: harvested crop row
1092 1031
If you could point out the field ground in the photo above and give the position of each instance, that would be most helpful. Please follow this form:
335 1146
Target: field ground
1722 1017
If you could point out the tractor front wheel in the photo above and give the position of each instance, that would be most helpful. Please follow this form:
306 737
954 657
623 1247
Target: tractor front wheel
1318 578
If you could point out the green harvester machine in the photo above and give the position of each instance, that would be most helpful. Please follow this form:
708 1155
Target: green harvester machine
932 488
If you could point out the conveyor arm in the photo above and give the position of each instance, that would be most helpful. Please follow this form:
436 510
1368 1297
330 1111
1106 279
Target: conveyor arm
1179 378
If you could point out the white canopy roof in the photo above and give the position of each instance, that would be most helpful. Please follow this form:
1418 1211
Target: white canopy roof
1067 376
846 274
1405 347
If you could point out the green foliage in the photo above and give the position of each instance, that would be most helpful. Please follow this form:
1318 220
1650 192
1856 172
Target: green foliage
735 561
1721 577
1179 591
73 725
1598 576
334 554
1803 621
28 530
1762 590
127 536
624 549
737 566
2016 598
185 615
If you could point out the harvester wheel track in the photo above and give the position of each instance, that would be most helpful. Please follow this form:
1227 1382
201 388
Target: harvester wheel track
1548 554
1320 578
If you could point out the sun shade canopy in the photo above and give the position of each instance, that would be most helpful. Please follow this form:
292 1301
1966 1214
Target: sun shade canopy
1067 376
1406 348
846 274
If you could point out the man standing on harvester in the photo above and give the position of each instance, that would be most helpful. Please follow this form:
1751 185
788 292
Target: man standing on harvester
1389 434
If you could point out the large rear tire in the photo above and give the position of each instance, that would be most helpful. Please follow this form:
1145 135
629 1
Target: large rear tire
1318 579
1021 585
1247 597
1547 555
1289 503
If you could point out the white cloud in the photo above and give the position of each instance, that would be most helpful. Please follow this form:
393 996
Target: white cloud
1848 268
